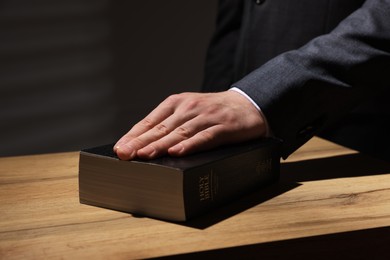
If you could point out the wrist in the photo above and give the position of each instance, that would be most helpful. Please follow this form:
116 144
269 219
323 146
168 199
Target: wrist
264 119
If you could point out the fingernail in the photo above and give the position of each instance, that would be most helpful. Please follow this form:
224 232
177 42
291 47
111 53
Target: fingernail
117 145
176 149
148 151
124 152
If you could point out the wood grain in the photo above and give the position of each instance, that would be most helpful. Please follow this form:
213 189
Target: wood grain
41 217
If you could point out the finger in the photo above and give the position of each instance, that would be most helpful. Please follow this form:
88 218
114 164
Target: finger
155 117
160 113
128 148
207 139
125 148
180 133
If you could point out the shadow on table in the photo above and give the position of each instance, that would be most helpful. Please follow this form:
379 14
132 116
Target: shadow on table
363 244
292 173
351 165
237 206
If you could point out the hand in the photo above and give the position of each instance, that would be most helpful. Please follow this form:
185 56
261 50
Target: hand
190 122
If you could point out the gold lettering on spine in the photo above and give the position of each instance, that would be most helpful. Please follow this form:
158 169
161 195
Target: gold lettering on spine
204 187
208 185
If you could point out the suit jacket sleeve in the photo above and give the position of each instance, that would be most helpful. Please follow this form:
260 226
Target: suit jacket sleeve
301 91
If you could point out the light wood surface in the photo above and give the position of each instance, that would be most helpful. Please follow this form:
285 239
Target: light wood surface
325 191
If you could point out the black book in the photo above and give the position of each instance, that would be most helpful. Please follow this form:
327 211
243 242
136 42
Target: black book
176 188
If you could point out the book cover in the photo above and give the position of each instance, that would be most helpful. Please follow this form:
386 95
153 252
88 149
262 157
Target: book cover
176 188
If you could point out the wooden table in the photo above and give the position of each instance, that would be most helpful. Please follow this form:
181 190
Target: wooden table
330 201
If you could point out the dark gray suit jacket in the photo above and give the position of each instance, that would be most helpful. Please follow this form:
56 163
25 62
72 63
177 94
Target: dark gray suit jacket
314 67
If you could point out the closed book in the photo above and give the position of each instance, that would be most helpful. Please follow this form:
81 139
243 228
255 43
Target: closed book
176 188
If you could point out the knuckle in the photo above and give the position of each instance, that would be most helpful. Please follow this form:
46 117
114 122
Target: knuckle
162 129
173 99
183 132
207 136
216 108
147 123
192 104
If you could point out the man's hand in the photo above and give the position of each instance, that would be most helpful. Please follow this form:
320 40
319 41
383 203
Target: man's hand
190 122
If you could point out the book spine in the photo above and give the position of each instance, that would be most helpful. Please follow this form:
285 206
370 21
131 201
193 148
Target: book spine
217 183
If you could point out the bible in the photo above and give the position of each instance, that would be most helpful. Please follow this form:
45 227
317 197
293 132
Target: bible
176 188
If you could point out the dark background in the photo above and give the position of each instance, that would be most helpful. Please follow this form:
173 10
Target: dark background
79 73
